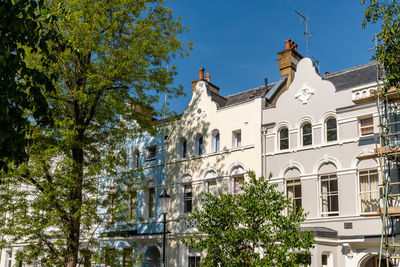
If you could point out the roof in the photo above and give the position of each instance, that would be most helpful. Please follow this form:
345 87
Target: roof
277 86
353 77
245 96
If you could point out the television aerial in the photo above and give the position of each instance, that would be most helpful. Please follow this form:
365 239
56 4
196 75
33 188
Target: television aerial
305 19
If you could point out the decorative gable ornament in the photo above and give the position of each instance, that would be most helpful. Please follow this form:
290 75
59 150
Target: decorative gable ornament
199 111
304 94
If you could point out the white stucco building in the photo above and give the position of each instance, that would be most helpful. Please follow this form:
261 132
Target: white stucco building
317 136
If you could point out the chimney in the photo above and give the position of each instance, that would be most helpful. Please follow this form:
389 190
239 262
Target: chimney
201 77
288 60
213 87
201 74
208 77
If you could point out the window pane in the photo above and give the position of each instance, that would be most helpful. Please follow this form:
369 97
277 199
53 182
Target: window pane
366 122
369 190
329 195
237 187
307 140
217 142
307 128
200 149
334 203
307 134
238 139
212 187
333 187
152 202
297 204
331 124
331 130
284 138
194 261
188 198
284 133
297 190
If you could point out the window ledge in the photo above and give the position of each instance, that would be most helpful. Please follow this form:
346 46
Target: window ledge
150 159
367 137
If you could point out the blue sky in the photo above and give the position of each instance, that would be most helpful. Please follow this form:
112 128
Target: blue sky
237 41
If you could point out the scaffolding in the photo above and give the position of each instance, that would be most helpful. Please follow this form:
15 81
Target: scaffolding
388 152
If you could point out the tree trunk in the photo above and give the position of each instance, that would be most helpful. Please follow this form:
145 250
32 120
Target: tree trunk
75 196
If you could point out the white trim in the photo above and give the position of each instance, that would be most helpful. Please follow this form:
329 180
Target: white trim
290 165
326 159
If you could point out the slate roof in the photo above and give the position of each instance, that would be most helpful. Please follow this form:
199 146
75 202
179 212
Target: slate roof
353 77
245 96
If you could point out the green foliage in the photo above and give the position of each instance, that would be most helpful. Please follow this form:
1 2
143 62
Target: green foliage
108 78
250 229
22 29
387 14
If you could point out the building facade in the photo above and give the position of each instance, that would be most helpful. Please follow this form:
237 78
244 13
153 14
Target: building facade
318 135
315 134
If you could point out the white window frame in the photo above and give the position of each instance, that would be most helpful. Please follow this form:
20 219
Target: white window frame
302 134
236 183
237 138
152 199
371 192
215 142
329 194
326 129
279 138
293 182
214 182
185 209
361 128
183 153
199 145
149 154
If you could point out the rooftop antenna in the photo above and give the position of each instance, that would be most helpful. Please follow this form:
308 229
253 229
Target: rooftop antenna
305 19
165 97
317 64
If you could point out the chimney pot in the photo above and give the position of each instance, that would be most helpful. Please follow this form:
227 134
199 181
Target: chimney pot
201 74
208 77
287 43
327 72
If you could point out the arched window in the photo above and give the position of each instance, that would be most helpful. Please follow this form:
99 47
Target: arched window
306 134
182 147
329 190
331 129
149 205
293 187
215 141
198 145
136 159
283 138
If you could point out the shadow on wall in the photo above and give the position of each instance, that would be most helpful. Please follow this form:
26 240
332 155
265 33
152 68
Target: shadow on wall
181 170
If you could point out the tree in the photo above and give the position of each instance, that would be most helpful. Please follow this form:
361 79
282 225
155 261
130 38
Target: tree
387 14
22 27
250 229
111 73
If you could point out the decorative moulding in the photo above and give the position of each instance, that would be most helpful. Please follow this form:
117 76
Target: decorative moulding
304 94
